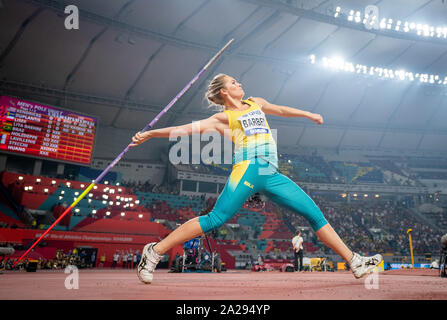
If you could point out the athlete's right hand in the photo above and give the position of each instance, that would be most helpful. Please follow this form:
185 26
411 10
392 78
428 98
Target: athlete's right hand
139 138
317 118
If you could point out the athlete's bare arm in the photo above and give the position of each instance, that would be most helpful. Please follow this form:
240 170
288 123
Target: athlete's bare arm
217 123
283 111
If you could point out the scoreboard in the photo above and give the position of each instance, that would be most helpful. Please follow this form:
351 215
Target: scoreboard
36 130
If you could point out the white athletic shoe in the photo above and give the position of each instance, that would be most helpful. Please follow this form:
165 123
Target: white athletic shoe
361 266
149 260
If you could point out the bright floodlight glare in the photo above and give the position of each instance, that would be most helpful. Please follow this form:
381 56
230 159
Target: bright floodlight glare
338 64
396 26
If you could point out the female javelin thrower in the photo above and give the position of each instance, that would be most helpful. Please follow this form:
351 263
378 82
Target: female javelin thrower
255 169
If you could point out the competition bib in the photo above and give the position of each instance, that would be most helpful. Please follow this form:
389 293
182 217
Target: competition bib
254 122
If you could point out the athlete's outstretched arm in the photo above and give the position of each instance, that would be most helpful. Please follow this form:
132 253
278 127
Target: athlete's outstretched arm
214 123
283 111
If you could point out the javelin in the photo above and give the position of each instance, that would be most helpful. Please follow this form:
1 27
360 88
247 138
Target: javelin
114 162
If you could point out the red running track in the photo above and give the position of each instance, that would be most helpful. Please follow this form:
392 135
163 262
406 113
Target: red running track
107 284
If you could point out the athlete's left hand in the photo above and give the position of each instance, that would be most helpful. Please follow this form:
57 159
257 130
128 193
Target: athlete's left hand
317 118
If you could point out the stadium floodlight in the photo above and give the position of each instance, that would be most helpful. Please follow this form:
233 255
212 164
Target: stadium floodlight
337 12
338 64
393 25
351 15
390 24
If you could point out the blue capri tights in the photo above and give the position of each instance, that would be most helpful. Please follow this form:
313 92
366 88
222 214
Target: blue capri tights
257 175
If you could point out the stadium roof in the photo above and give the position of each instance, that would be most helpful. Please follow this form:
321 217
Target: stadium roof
131 57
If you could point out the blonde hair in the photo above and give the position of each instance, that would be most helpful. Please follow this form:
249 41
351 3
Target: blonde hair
213 93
